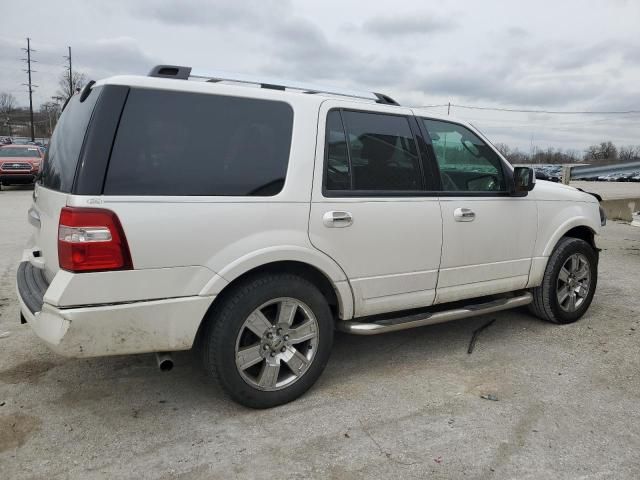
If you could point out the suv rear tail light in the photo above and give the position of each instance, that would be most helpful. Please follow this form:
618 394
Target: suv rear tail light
91 240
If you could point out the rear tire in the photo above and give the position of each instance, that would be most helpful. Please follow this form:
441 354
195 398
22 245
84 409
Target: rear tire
569 282
268 340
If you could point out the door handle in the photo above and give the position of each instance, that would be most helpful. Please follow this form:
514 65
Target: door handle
337 219
464 215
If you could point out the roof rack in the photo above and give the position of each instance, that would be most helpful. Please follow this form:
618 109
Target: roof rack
185 73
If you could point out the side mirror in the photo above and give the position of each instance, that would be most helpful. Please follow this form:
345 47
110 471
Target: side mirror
524 179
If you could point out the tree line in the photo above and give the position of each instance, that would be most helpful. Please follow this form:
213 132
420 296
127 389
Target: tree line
602 153
14 120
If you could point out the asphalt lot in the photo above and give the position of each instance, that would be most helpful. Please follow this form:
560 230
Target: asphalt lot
404 405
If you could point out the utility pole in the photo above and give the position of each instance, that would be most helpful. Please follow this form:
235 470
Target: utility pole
68 57
30 85
448 108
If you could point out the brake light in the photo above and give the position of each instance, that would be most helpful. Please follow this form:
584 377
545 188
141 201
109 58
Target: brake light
91 240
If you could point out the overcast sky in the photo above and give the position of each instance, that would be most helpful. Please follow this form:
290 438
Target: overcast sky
551 55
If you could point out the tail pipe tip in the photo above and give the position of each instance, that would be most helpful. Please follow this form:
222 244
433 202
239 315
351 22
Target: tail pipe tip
165 361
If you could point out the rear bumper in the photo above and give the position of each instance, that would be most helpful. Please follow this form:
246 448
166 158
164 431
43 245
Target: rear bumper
99 330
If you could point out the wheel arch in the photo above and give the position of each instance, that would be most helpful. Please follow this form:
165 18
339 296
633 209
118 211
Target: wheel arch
312 265
582 232
579 227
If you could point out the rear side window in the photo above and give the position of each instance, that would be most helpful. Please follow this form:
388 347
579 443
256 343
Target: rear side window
176 143
64 149
379 153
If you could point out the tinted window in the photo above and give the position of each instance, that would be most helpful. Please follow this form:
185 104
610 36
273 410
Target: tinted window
382 152
176 143
64 148
338 171
466 162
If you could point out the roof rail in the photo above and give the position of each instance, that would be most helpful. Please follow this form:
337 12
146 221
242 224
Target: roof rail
185 73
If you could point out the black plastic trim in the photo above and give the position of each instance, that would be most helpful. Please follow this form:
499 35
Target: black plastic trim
94 157
593 194
32 285
385 99
171 71
86 91
379 193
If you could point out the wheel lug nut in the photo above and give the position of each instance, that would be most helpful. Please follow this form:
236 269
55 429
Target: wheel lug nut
269 335
283 349
279 331
266 347
273 354
286 338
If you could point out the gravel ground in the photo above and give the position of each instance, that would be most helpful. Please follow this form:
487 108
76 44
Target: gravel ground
404 405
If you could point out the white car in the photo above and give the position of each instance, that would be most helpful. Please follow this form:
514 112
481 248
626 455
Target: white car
190 210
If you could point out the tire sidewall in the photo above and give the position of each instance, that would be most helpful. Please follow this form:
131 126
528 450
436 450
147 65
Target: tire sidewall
237 307
559 257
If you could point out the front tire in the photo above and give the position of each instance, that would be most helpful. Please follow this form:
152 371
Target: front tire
268 340
569 282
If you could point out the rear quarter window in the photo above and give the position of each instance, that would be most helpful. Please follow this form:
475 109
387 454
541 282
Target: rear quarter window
64 149
177 143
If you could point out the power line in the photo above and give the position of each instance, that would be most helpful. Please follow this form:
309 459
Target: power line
551 112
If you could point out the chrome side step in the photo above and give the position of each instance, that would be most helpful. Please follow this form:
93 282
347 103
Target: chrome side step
427 318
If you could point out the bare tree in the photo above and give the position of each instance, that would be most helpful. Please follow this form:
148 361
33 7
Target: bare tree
629 153
503 148
66 89
7 103
603 151
49 111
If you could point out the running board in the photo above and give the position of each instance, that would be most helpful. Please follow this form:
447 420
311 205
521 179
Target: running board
426 318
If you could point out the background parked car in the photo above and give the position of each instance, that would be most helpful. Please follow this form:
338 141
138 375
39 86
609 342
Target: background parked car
19 164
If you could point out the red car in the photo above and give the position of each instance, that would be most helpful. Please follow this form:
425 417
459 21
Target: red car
19 164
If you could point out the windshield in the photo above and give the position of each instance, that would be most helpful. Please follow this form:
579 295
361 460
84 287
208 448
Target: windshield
19 152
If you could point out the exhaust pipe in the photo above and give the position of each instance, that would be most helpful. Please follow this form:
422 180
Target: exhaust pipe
165 361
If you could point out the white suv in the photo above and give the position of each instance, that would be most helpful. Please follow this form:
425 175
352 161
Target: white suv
184 210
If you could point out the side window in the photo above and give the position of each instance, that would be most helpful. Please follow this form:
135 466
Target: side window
466 163
179 143
380 152
338 174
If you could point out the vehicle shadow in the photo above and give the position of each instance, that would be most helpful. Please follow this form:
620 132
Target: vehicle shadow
9 188
139 385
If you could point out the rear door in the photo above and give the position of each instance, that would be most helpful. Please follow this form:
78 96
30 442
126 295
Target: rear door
372 207
488 235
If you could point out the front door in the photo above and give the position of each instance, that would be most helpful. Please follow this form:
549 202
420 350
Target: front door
488 236
371 210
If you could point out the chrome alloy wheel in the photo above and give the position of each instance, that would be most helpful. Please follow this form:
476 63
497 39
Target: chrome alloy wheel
574 281
276 344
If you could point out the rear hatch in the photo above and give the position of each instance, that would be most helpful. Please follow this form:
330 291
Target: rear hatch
56 181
